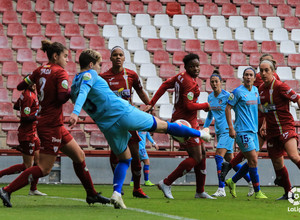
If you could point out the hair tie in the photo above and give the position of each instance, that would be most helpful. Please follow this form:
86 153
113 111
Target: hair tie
217 75
269 62
116 47
249 68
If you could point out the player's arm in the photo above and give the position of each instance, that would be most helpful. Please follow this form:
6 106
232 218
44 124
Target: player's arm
138 87
27 81
208 119
190 105
25 109
232 132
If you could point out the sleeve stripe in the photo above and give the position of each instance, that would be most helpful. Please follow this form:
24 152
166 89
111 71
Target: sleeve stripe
28 81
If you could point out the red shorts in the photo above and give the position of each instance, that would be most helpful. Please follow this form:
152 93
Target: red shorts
192 141
275 145
52 139
135 138
29 147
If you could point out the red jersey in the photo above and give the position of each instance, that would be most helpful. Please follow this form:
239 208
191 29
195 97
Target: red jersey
50 79
28 105
186 96
275 98
122 83
258 81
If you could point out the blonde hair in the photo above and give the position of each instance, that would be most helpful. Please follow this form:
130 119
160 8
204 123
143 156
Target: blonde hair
272 63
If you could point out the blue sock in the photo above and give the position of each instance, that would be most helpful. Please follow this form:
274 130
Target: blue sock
146 172
120 174
219 161
255 178
131 178
240 173
180 130
246 177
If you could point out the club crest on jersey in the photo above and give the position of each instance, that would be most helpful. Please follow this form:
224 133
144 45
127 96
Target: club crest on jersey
55 149
285 135
231 97
197 140
190 96
27 110
256 95
64 84
87 76
30 151
220 101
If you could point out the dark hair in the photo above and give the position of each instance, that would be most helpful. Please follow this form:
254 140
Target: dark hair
189 57
88 56
217 74
51 48
265 55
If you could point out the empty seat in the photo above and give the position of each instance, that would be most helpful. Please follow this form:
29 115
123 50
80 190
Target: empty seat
71 68
24 55
10 17
86 18
173 45
154 45
142 19
191 8
231 84
297 73
231 46
161 20
52 30
141 56
61 6
4 95
13 81
284 11
136 7
80 6
217 21
9 68
293 60
249 47
167 70
162 140
265 11
228 10
284 73
293 3
129 31
280 34
238 59
203 58
90 127
173 8
15 95
72 30
10 126
160 57
42 5
205 33
28 68
148 31
80 138
41 57
247 10
164 99
242 34
254 22
48 17
1 81
91 30
34 29
279 57
110 31
235 22
261 34
273 22
227 71
14 29
105 18
19 42
297 11
287 47
6 5
99 6
6 54
123 19
208 86
153 83
295 35
115 41
77 42
291 23
254 59
135 43
167 32
98 140
294 84
192 45
28 17
179 21
4 42
165 111
210 9
67 17
117 7
155 8
218 58
147 70
60 39
12 139
178 57
259 2
223 34
105 55
211 46
268 47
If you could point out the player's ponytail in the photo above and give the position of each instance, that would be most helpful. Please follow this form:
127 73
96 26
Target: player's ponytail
51 48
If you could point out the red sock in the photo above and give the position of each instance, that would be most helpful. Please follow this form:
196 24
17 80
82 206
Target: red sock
183 168
113 161
237 159
136 168
33 184
84 175
200 172
283 176
18 168
298 164
22 180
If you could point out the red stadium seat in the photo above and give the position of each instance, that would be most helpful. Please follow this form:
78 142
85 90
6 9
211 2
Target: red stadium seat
77 43
211 46
173 45
229 9
18 42
80 138
90 128
173 8
6 5
97 42
97 140
4 42
99 6
80 6
192 45
15 95
28 68
67 108
279 57
291 23
1 30
254 59
48 17
4 95
33 29
203 2
72 30
28 17
154 45
247 10
293 3
276 2
105 53
208 86
294 84
259 2
41 57
227 71
221 2
210 9
167 70
117 7
218 58
105 18
61 39
293 60
265 11
192 8
202 57
160 57
268 47
86 18
91 30
42 5
71 68
52 30
154 8
231 46
10 126
24 55
67 17
1 82
238 59
12 139
136 7
61 6
249 47
14 30
6 54
162 140
10 17
10 68
178 57
205 71
297 11
284 11
231 84
36 42
13 81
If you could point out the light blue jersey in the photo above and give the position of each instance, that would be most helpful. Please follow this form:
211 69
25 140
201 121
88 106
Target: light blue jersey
144 135
218 105
245 104
100 103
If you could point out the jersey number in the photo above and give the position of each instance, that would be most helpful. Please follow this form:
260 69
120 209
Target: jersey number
42 83
177 89
244 138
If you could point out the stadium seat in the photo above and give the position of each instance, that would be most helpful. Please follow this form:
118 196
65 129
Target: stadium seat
218 58
28 68
295 35
162 140
284 73
178 57
231 84
9 68
105 18
36 42
191 8
235 22
179 21
141 56
115 41
142 19
154 45
203 57
155 8
1 81
148 32
153 83
249 47
24 55
105 55
205 71
136 7
6 54
203 97
90 127
41 57
217 21
66 17
208 88
279 57
85 18
123 19
293 3
136 99
227 71
98 140
254 22
28 17
198 21
167 32
164 99
12 139
205 33
129 31
261 34
276 2
294 84
33 29
72 30
280 34
265 10
238 59
61 6
211 46
228 10
80 138
52 30
42 5
4 95
297 11
135 43
287 47
6 109
61 39
110 31
242 34
91 30
10 126
160 57
165 111
48 17
297 73
99 6
173 8
4 42
284 11
273 22
259 2
15 95
173 45
268 47
10 17
192 45
117 7
247 10
71 68
210 9
6 5
80 6
13 81
14 29
254 59
291 23
148 70
167 70
231 46
293 60
161 20
77 43
18 42
223 34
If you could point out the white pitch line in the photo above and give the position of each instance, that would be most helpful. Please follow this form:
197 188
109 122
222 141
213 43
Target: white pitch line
128 208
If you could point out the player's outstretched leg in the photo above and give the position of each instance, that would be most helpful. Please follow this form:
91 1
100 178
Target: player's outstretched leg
5 196
226 167
166 189
232 187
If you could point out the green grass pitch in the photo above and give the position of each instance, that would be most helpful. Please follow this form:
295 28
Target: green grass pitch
68 202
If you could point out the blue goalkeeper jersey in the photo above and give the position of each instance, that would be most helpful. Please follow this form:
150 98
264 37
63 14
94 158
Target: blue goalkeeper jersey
92 93
245 104
218 105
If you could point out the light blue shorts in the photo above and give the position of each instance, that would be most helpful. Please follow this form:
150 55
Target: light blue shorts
118 136
226 142
247 141
143 154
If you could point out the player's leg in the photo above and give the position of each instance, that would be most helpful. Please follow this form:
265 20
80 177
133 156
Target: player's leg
219 157
291 148
146 170
226 166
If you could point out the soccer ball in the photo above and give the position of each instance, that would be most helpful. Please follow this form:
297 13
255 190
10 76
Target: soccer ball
182 122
